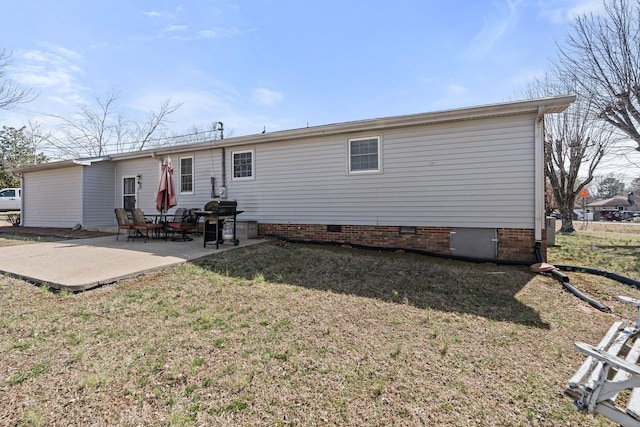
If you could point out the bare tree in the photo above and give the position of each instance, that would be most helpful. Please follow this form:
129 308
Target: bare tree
37 136
142 133
602 58
10 92
575 141
97 131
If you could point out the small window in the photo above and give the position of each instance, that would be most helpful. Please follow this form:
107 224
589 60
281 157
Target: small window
243 165
8 193
364 155
186 175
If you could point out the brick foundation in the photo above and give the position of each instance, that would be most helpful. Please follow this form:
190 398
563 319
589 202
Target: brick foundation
516 244
513 244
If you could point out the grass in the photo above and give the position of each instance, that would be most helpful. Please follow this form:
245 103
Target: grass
286 334
606 245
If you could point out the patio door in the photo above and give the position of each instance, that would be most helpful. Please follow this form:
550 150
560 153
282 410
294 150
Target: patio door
129 193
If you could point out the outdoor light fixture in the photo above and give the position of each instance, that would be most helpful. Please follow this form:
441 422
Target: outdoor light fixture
139 177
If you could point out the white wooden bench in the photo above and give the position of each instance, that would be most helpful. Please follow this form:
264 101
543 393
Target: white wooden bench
608 382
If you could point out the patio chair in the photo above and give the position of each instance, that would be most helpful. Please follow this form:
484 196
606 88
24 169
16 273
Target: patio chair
140 223
184 221
124 223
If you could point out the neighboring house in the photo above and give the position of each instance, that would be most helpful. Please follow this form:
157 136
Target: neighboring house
618 202
465 182
614 204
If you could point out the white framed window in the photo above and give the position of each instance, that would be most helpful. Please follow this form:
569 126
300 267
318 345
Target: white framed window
364 155
186 175
244 167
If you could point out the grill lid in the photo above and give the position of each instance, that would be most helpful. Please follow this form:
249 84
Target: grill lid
215 205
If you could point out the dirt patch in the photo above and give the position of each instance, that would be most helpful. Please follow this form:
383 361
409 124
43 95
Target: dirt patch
63 233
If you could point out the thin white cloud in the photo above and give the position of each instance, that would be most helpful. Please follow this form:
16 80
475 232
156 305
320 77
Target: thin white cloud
48 69
207 34
266 97
55 71
158 14
66 53
456 89
586 6
173 28
106 45
525 76
494 29
567 10
201 108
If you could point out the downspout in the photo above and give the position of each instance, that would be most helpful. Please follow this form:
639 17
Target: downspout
224 174
539 174
22 198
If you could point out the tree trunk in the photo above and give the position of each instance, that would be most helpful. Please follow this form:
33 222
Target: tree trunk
566 212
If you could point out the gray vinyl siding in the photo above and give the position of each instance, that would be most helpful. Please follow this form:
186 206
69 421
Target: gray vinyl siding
98 194
469 168
477 173
53 198
207 163
149 170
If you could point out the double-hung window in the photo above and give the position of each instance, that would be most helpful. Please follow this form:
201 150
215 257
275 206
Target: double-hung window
243 165
364 155
186 175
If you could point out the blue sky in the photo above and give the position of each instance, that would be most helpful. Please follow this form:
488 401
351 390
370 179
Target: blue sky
278 64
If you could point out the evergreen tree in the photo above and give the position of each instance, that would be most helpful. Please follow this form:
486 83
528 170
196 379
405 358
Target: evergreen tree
16 150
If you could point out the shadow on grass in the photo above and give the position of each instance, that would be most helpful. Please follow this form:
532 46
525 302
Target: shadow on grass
419 281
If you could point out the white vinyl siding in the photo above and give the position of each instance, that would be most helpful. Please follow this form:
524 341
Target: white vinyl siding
473 173
477 173
206 164
98 194
146 185
53 198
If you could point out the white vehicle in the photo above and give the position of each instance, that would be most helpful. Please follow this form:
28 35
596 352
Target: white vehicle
10 199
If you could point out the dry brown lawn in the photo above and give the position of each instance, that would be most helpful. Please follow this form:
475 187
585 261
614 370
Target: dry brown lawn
289 334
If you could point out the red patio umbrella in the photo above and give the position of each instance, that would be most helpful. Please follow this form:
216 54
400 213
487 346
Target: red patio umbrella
166 196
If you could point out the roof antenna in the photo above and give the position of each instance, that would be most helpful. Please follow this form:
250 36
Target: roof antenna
221 129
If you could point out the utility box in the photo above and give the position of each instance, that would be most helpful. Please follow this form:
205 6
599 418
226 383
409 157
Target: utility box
551 231
246 230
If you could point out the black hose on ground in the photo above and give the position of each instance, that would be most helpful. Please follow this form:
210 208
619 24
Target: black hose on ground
603 273
564 281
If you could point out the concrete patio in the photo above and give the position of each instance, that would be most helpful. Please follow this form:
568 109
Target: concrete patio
82 264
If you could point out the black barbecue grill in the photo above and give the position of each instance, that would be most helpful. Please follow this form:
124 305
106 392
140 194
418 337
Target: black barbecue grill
214 213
